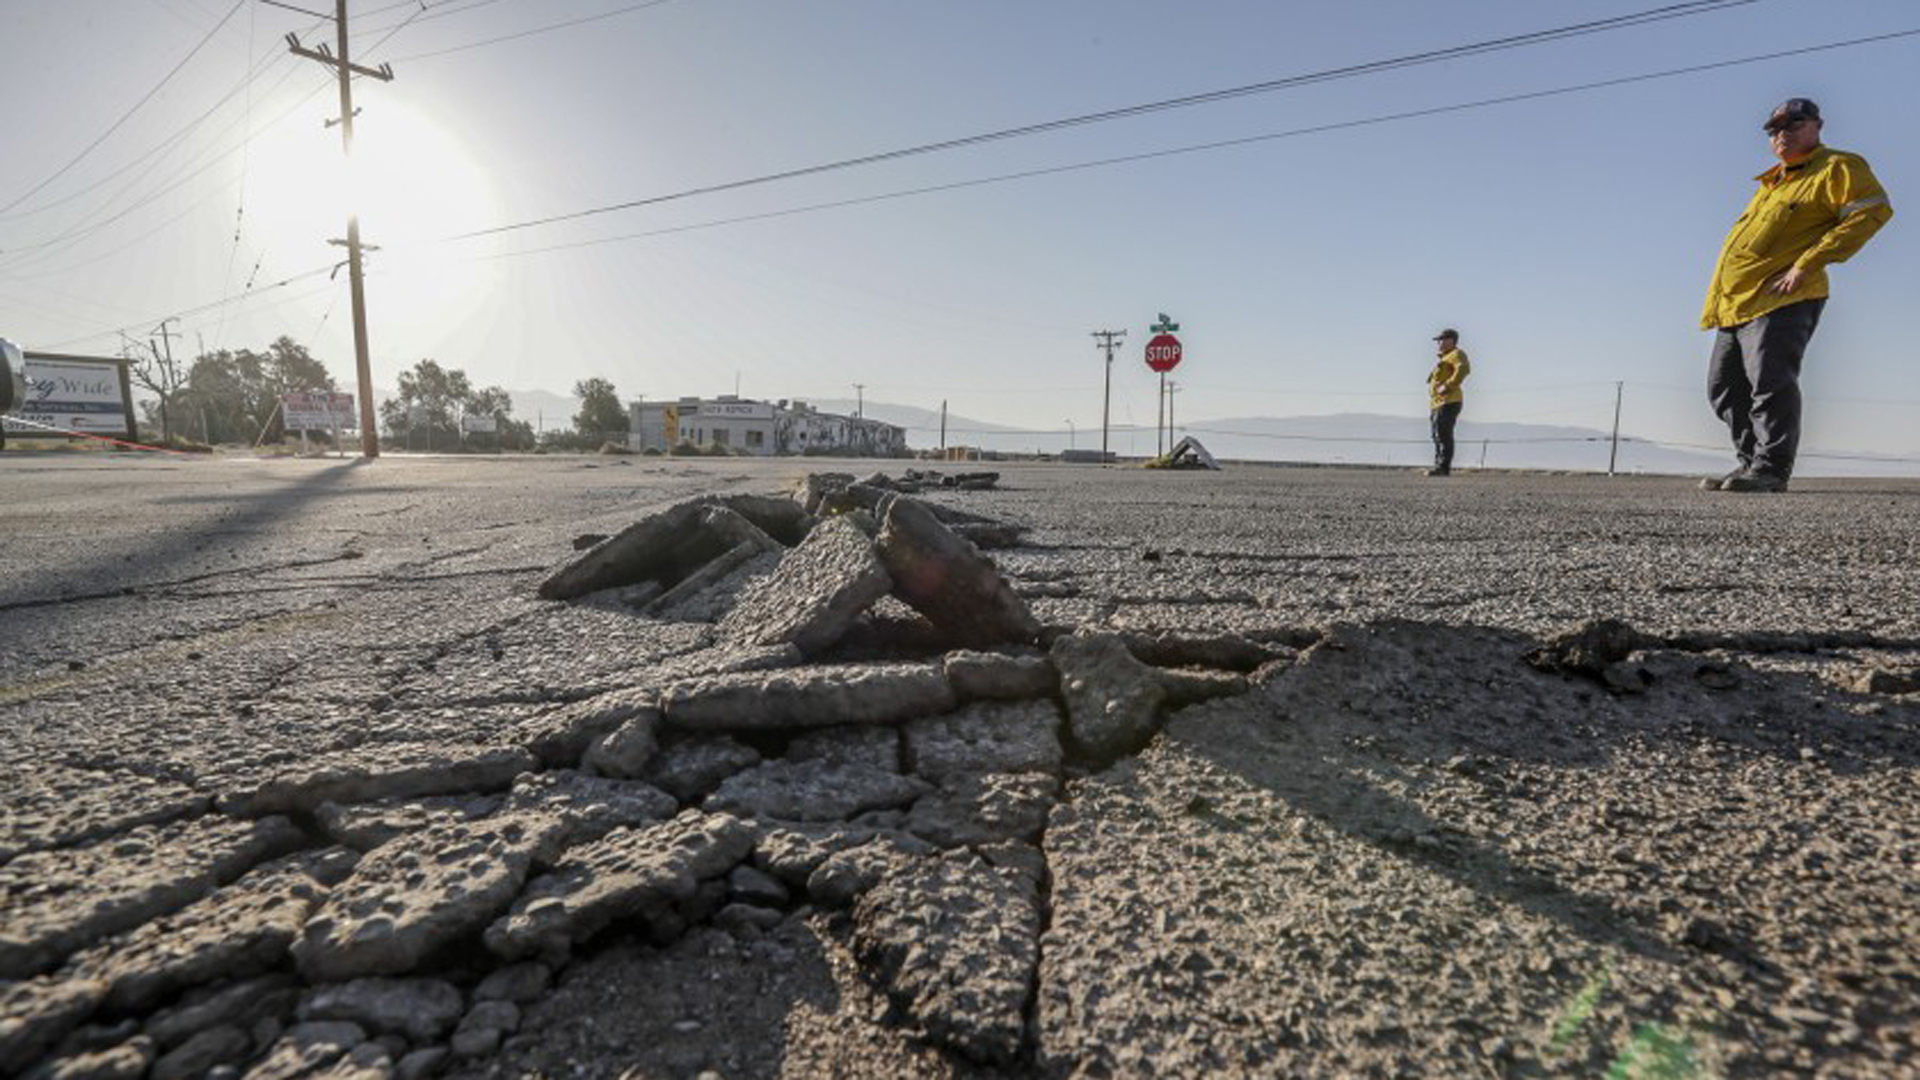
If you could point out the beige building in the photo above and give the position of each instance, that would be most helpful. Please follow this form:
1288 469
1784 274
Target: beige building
760 428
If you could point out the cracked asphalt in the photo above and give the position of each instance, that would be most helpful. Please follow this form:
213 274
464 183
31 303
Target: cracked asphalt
1408 852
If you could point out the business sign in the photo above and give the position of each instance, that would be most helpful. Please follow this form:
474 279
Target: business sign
1163 353
745 410
318 412
670 424
85 394
479 424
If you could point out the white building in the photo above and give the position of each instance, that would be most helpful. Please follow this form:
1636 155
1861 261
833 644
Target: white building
760 428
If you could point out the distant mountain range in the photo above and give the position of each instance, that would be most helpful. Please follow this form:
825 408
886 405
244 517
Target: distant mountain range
1343 438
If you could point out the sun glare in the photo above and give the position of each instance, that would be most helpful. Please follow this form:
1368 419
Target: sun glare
411 183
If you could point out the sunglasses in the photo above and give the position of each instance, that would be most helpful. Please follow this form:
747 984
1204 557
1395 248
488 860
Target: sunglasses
1780 129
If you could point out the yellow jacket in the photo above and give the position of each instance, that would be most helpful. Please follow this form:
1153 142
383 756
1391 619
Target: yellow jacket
1443 385
1806 214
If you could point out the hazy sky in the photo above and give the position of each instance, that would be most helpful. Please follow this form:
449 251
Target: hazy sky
1569 237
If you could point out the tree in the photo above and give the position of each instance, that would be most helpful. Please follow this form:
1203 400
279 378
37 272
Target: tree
508 433
428 406
601 413
234 395
158 374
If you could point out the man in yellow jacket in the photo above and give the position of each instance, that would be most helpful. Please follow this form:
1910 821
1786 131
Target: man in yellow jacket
1444 397
1816 207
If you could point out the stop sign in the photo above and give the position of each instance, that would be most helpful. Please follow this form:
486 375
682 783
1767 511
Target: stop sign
1163 353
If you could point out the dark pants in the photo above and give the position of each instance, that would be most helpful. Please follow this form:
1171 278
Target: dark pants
1753 381
1443 419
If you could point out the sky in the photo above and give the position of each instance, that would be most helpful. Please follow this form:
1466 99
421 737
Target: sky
1567 235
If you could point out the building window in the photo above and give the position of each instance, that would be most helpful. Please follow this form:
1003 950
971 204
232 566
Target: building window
756 439
721 436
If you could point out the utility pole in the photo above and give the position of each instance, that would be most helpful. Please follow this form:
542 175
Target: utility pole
860 400
346 70
943 427
1108 340
1613 455
168 374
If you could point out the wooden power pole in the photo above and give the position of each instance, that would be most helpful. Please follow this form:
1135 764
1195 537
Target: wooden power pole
346 70
1107 340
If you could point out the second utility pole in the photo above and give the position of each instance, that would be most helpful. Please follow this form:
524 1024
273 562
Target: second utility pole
1108 340
1613 455
369 435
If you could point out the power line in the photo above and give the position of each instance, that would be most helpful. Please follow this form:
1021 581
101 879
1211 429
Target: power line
1671 11
422 11
168 143
629 9
199 309
1150 155
240 203
169 185
408 21
125 116
1195 148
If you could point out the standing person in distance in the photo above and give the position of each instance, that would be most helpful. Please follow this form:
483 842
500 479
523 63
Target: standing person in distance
1444 397
1817 206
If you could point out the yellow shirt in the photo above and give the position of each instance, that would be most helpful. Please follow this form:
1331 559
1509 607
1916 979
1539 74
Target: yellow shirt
1443 385
1808 214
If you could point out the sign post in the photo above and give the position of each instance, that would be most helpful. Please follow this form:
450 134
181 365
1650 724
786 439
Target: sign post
1163 355
316 411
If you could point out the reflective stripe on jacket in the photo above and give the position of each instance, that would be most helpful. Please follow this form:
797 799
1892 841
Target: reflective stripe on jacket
1805 214
1443 385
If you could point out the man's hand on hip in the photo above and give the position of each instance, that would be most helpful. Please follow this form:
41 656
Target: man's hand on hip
1788 281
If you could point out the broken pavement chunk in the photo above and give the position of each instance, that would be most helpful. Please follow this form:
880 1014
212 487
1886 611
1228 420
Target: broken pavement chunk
714 572
365 826
237 930
813 791
626 749
1000 677
422 1010
560 737
946 579
590 806
1232 652
986 737
630 873
691 767
406 900
955 942
1190 686
35 1013
1589 649
985 809
59 901
383 771
665 547
810 697
1113 700
812 597
51 806
640 552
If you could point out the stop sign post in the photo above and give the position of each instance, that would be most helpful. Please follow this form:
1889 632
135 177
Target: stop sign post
1163 355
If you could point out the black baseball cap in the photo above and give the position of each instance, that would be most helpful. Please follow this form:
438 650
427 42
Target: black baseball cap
1447 333
1791 110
